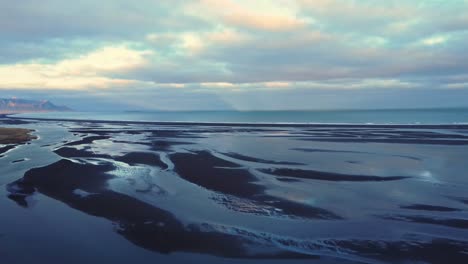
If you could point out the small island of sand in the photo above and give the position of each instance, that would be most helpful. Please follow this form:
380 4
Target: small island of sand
14 135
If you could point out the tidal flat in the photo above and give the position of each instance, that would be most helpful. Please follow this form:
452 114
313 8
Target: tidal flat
143 192
14 135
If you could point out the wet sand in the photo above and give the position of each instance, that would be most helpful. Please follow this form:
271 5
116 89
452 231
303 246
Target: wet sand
317 193
10 138
14 135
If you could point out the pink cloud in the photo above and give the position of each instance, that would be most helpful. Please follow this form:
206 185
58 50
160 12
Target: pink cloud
264 22
252 14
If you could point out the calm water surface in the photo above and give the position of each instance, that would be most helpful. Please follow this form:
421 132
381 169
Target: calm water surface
401 116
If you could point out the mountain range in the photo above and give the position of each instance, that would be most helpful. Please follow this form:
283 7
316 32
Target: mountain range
15 105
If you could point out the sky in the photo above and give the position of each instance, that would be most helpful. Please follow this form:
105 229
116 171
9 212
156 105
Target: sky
236 54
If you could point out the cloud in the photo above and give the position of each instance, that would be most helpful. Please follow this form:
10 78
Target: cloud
357 15
436 40
457 85
87 71
109 19
278 84
263 22
399 22
255 15
195 44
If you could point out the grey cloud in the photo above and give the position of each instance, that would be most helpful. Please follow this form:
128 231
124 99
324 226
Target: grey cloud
30 20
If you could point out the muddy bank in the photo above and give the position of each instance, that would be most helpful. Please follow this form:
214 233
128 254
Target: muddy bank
15 135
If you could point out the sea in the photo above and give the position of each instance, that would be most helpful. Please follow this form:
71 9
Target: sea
388 116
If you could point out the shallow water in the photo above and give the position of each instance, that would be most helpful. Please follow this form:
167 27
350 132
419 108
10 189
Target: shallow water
116 192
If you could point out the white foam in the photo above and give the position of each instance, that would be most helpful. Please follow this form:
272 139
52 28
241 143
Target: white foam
82 193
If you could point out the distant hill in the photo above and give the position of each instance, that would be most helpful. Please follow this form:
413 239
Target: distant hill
14 105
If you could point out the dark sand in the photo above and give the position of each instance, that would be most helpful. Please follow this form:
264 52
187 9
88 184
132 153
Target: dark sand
257 160
204 169
327 176
427 207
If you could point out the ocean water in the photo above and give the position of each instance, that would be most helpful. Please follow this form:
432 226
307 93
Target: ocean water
396 116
